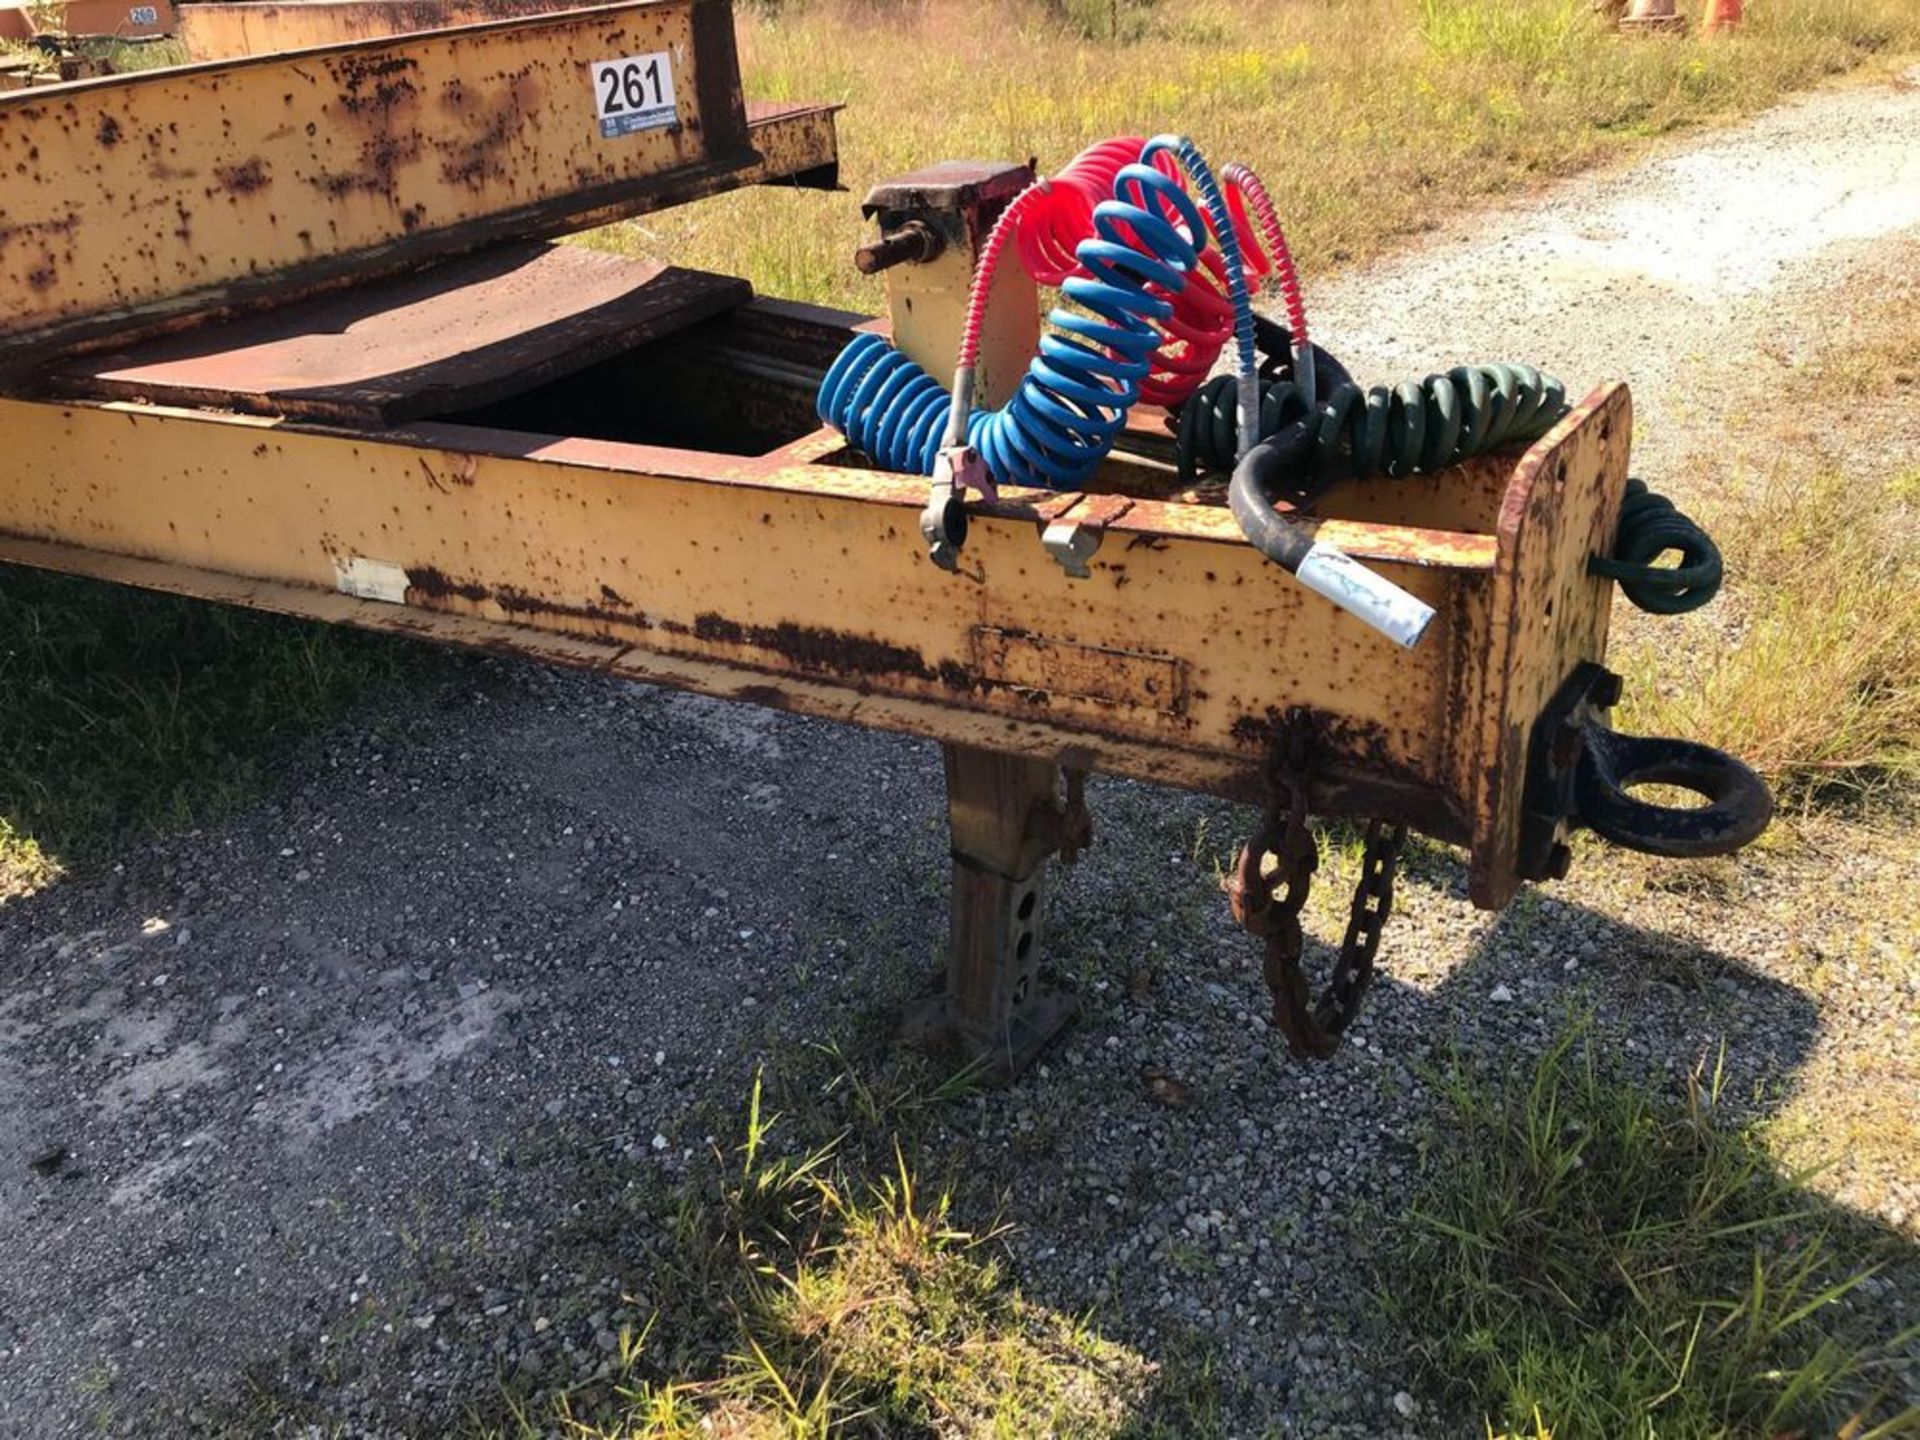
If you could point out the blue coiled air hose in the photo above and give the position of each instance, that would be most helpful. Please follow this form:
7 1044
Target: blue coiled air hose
1073 400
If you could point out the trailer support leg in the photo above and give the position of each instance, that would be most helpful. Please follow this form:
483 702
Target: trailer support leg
1006 819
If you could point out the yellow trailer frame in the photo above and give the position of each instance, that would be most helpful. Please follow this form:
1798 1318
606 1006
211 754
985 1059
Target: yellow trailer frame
790 580
168 196
789 576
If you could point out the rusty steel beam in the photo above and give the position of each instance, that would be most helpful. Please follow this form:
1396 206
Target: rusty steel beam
232 29
791 580
793 144
138 201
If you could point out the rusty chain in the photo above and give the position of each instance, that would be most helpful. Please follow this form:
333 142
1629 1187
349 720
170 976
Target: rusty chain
1269 889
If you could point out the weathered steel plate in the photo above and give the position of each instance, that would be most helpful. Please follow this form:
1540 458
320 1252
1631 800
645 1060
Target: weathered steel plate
233 28
179 191
1546 613
458 335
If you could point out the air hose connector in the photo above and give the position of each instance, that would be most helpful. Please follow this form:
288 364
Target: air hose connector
1400 616
943 524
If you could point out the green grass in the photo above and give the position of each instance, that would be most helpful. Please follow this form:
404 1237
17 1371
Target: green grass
1814 675
122 56
13 52
815 1287
123 712
1586 1255
1821 690
1369 119
1589 1257
126 57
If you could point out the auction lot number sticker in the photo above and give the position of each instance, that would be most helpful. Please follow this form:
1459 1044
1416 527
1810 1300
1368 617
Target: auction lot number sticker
633 94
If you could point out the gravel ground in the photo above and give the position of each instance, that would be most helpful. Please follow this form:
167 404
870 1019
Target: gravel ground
330 1100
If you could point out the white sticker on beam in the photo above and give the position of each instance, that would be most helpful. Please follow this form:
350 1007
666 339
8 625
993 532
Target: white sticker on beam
366 579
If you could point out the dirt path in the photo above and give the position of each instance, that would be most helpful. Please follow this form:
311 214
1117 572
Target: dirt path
1676 270
350 1089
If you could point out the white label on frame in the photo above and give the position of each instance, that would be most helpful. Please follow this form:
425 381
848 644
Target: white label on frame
633 94
366 579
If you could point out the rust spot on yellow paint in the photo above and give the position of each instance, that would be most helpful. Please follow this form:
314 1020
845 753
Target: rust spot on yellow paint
835 652
243 179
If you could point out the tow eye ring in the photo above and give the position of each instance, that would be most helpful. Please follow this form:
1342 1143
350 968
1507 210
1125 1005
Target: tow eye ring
1581 770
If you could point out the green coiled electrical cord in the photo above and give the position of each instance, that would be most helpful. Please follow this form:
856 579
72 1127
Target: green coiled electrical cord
1442 420
1650 526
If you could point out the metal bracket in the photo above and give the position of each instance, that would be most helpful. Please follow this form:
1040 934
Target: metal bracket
1066 829
1072 544
1074 532
961 198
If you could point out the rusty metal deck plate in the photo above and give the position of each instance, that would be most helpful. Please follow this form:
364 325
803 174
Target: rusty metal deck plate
140 200
457 335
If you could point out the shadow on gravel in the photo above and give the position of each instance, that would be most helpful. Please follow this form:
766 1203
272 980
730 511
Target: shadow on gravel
420 1092
124 712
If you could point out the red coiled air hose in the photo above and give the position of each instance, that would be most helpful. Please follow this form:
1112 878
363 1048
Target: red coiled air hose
1270 254
1058 215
